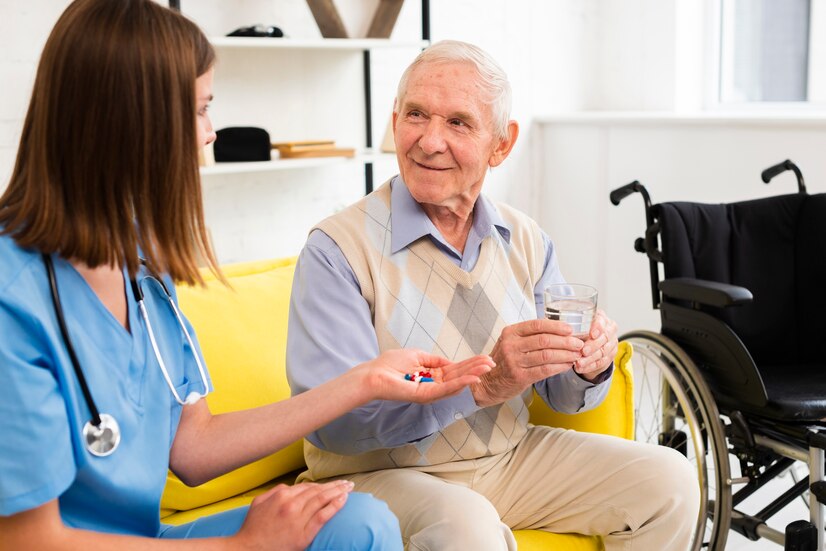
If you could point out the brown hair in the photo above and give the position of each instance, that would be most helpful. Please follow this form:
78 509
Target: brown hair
107 162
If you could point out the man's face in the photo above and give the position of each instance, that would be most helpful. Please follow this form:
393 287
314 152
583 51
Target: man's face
444 136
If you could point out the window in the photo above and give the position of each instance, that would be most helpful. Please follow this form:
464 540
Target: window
769 51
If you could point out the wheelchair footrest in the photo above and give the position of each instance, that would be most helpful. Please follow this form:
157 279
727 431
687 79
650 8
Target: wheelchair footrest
818 490
801 535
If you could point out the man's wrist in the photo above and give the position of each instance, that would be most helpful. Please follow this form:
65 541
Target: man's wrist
600 377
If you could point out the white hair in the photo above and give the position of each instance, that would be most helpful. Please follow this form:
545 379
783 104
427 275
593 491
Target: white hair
492 77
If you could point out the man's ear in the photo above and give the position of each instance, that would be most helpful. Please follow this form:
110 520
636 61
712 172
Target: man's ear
505 145
395 114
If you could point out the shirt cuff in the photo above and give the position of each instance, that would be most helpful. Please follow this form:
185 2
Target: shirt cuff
453 409
601 378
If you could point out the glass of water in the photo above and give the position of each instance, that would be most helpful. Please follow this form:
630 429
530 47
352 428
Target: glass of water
573 303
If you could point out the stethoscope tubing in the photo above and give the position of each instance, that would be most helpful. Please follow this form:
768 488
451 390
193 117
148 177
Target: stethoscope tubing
101 433
64 331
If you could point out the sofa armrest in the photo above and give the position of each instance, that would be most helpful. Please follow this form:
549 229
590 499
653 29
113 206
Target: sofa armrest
614 416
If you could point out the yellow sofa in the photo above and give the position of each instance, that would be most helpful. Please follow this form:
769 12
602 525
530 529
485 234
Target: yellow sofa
243 333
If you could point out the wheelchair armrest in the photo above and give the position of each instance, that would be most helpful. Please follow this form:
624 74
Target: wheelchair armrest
702 291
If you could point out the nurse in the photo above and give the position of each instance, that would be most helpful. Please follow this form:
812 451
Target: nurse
107 173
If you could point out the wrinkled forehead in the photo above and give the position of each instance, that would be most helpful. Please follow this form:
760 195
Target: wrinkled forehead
460 74
449 82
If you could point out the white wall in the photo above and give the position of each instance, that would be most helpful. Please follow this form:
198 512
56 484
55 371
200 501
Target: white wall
713 159
546 47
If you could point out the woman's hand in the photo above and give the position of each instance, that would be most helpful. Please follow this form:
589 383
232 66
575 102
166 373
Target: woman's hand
385 375
289 517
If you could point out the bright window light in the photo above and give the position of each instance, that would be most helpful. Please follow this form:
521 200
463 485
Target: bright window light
767 51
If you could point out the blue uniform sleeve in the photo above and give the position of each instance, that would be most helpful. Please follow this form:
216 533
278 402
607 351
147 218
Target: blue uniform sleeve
36 457
566 392
330 331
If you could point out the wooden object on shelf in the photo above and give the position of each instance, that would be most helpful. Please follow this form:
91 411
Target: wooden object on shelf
327 18
312 148
384 19
388 143
303 146
325 152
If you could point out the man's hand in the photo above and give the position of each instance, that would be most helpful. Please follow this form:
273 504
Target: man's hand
525 353
600 347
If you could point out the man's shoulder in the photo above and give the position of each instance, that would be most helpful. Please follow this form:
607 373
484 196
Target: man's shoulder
520 223
367 216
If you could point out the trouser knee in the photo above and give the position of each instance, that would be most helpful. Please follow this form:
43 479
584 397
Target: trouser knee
675 484
472 524
363 524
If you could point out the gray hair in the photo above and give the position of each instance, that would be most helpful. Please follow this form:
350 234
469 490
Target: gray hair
493 80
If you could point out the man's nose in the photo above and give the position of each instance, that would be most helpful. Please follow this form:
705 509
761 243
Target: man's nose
433 139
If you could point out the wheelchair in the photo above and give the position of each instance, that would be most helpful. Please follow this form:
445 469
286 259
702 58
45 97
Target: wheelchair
736 378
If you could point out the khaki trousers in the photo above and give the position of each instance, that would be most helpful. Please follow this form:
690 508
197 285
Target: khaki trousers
637 496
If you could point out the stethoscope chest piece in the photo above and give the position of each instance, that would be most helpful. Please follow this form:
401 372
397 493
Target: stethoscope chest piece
103 439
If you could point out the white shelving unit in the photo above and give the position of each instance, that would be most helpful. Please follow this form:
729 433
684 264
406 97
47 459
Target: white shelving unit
305 88
355 45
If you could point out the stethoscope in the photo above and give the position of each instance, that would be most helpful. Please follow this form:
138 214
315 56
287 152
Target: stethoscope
101 434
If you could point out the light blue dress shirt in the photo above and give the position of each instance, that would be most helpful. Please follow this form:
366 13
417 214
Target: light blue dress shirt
330 331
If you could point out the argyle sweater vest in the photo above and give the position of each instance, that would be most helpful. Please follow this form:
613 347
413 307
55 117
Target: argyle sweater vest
418 298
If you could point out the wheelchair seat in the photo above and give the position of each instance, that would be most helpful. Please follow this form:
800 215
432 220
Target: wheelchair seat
775 248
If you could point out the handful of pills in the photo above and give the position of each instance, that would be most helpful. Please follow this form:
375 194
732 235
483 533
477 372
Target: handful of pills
419 377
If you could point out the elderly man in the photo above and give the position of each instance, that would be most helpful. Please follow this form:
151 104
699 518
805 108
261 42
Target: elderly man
426 261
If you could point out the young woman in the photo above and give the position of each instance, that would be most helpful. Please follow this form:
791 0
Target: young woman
100 378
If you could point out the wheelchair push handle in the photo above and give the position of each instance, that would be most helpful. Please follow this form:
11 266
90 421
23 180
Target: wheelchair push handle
634 187
779 168
647 244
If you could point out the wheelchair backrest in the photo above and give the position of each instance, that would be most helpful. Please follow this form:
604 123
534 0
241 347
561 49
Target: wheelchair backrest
776 248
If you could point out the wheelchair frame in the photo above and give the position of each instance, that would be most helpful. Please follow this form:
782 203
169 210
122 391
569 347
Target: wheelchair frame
673 393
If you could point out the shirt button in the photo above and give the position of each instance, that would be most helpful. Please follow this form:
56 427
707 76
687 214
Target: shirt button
457 415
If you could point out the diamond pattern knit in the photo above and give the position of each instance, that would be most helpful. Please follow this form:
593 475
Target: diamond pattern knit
419 299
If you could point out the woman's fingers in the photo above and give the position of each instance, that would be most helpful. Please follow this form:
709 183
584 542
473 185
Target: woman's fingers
477 365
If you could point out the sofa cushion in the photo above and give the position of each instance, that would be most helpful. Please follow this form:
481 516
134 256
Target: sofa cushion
537 540
242 331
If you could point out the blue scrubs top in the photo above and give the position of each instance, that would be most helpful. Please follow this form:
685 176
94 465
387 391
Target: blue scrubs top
42 410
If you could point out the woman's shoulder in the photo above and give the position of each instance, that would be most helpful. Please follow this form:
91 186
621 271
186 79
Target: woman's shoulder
15 262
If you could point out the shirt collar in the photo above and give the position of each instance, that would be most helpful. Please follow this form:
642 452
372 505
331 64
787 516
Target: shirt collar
411 223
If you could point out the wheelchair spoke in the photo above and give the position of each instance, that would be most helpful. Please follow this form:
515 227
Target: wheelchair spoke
670 411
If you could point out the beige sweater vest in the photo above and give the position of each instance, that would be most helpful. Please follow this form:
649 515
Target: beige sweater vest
420 299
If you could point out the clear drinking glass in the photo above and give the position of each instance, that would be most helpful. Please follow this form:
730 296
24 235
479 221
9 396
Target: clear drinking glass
573 303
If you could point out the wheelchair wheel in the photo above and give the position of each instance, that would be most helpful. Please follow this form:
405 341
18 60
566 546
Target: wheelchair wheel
675 408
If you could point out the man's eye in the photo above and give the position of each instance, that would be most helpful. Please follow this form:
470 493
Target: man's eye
415 114
457 122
